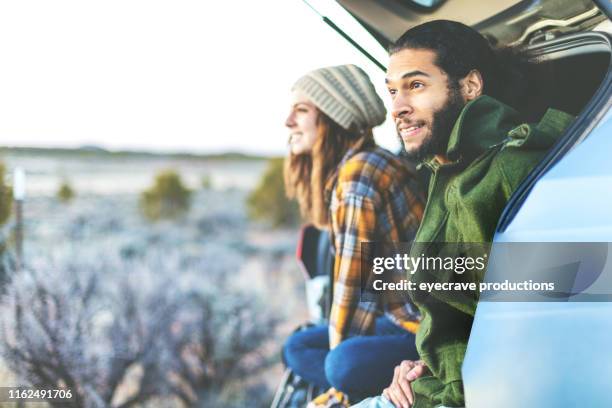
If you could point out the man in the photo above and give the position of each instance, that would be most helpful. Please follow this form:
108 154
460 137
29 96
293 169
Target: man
447 86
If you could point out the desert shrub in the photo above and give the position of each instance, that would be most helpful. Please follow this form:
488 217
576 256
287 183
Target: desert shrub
167 198
206 183
122 333
6 196
269 202
7 234
65 193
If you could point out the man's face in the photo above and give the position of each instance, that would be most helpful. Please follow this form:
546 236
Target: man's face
425 105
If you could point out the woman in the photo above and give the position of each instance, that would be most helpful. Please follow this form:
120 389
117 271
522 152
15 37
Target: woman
360 192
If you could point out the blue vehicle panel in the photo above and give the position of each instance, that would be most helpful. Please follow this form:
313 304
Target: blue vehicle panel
551 354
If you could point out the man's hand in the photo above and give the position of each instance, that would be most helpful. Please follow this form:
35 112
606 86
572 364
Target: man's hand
400 392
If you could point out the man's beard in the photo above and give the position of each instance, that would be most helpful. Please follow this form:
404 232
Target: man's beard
442 124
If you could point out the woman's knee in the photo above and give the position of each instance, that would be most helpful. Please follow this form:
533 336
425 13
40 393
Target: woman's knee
340 368
301 342
294 345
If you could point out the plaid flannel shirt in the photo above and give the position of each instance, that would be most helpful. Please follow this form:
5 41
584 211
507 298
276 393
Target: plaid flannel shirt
373 197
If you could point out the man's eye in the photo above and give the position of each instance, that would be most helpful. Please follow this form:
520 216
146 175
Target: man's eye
392 92
416 85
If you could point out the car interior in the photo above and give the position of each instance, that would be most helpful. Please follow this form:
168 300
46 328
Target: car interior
567 79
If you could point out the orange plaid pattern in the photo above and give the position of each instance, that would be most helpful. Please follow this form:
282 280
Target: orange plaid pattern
374 198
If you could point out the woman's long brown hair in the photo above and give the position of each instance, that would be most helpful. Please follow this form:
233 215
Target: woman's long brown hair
306 175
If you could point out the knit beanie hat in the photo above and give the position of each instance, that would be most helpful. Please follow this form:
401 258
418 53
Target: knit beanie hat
345 94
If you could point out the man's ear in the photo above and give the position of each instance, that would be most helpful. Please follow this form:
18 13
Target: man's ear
471 85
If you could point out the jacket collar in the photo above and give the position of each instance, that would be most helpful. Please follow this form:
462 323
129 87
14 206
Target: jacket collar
482 124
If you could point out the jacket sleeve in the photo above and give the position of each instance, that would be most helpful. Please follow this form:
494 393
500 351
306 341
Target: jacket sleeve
354 222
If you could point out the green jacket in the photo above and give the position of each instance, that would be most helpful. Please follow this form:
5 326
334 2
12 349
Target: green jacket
490 154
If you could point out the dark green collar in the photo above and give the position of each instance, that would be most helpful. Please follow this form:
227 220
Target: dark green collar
486 122
483 123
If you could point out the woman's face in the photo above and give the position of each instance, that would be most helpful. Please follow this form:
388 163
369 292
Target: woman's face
302 124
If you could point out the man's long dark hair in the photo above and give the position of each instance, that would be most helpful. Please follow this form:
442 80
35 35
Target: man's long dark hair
460 49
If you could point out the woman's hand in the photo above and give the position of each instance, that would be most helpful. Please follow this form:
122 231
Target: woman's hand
400 392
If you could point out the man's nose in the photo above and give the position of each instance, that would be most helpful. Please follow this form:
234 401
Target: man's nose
400 107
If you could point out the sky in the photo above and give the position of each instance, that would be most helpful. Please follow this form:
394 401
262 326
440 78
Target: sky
181 75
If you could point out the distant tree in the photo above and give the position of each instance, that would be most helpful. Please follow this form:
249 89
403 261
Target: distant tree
167 198
269 202
7 237
206 182
6 196
65 193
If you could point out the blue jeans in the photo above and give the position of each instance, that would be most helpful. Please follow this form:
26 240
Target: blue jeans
360 366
